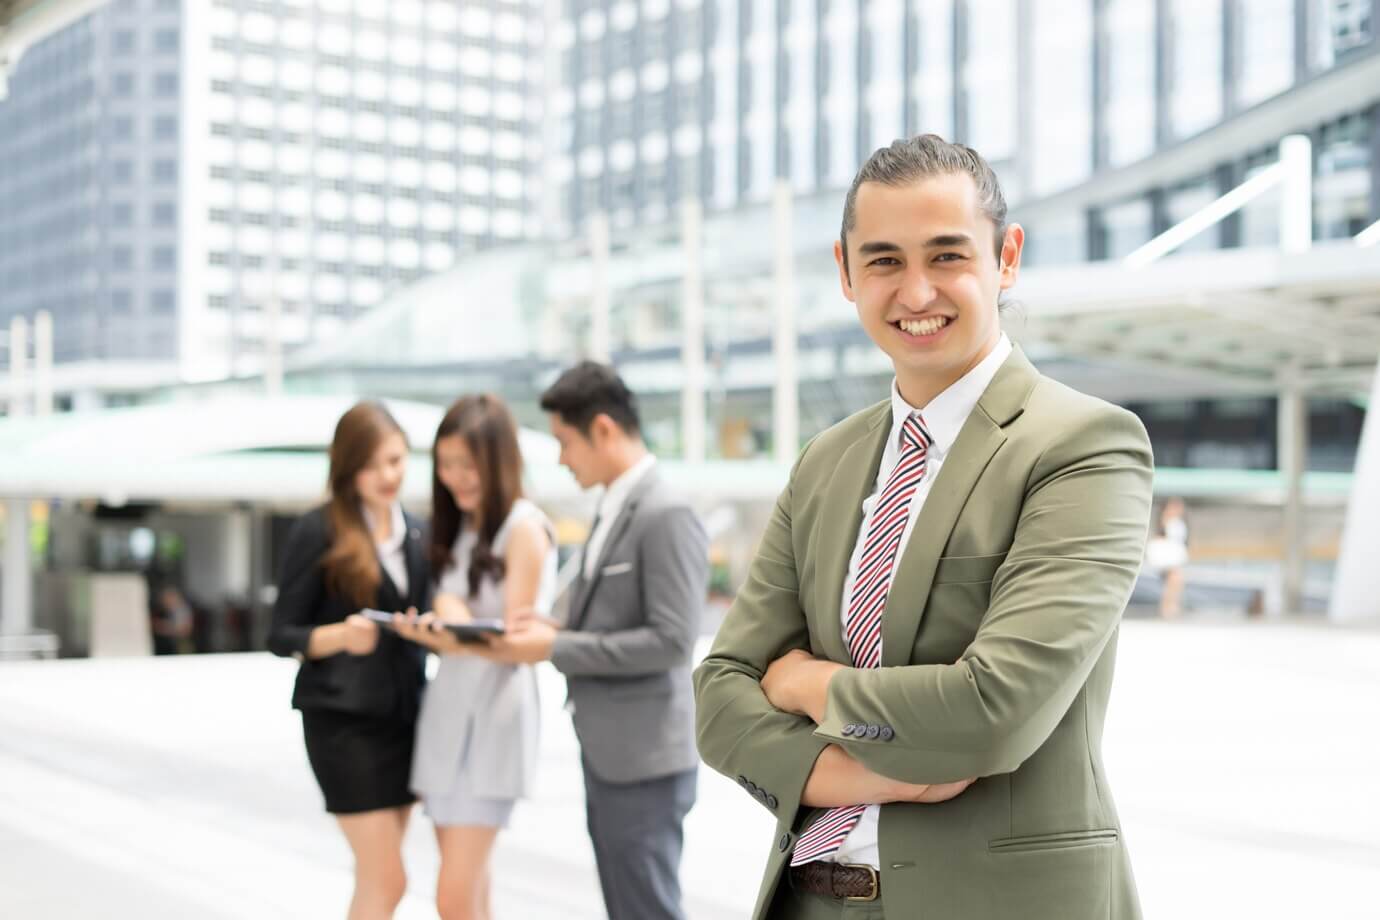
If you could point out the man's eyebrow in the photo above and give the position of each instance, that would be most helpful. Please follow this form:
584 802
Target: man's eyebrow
949 239
944 239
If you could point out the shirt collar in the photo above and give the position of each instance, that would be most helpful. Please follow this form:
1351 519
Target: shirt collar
618 490
398 531
946 413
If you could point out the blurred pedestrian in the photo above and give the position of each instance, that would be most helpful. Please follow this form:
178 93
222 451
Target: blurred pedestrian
172 620
1167 553
358 689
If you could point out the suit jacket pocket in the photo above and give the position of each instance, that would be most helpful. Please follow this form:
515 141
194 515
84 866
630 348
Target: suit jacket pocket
1062 841
967 569
621 568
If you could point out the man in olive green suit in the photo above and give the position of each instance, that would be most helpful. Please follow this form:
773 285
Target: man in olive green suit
914 678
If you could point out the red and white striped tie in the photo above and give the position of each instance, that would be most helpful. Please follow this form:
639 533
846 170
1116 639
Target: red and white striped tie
863 626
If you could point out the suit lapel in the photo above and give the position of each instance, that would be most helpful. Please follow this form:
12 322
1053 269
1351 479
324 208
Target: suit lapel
840 516
416 570
978 441
620 526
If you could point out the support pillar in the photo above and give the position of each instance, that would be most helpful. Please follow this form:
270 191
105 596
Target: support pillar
16 605
1356 584
692 409
786 394
1293 457
599 339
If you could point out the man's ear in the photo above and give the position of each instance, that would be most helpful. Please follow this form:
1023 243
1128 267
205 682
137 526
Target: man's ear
1012 245
845 278
601 429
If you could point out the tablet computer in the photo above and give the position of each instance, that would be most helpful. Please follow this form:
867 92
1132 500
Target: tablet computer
473 631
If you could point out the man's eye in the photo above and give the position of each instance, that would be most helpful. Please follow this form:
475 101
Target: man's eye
885 260
948 257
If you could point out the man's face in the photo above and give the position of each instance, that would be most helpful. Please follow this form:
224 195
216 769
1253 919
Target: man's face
924 276
578 453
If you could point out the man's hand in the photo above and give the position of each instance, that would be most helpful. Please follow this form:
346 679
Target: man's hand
930 794
798 682
360 635
527 642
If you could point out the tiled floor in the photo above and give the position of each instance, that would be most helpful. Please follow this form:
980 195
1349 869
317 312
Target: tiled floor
1244 759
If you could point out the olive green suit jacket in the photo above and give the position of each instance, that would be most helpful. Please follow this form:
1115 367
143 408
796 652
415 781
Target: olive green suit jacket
1019 569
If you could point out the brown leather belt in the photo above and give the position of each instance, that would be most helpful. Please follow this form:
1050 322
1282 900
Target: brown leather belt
837 880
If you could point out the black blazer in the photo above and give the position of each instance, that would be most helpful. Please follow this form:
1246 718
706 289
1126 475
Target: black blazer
386 682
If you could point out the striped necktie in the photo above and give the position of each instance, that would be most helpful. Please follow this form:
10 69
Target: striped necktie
863 625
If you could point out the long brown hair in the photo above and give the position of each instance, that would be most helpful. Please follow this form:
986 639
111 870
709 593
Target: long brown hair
490 435
351 564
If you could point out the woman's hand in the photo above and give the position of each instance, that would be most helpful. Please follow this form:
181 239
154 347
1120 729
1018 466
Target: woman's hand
360 635
451 609
426 630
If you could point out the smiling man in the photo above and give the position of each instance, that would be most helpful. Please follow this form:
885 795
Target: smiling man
914 678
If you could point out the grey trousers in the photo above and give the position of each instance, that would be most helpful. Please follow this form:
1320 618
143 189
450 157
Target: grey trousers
637 835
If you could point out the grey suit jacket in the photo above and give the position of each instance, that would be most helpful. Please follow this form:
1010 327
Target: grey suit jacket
626 648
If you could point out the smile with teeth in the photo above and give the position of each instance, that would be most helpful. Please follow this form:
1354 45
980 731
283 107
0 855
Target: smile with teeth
927 326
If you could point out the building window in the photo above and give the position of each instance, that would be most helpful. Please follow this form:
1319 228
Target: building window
164 258
121 258
164 171
122 42
165 40
162 301
120 300
164 214
165 128
122 85
165 84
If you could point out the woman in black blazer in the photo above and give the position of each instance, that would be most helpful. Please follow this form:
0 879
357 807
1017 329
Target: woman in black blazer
358 688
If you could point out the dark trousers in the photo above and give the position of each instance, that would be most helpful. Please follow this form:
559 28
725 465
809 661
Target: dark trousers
637 835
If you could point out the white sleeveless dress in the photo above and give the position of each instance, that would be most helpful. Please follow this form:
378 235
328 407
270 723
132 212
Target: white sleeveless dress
476 749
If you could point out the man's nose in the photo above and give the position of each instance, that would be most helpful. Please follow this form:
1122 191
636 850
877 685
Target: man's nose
917 291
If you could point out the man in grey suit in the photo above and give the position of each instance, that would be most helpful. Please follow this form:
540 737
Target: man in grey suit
626 645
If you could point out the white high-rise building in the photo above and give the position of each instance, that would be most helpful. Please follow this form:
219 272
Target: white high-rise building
189 186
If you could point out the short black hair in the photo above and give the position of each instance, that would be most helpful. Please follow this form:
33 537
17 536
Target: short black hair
589 389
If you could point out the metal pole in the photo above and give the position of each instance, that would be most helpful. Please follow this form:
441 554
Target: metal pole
786 396
599 347
43 363
19 367
1293 457
692 332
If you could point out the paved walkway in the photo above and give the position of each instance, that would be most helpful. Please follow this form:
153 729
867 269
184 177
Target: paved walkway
1244 759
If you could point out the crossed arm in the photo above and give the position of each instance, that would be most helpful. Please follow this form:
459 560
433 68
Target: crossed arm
769 712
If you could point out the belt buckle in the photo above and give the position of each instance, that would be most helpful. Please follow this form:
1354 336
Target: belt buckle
872 876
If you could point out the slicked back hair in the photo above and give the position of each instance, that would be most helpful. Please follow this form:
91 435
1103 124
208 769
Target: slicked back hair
923 157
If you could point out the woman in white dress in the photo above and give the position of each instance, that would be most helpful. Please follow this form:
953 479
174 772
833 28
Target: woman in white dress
1167 553
493 554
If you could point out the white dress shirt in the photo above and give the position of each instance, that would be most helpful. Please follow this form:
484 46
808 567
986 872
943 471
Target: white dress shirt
610 506
944 418
390 551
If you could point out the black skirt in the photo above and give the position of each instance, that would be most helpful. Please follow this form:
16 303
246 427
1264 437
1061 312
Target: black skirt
362 763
